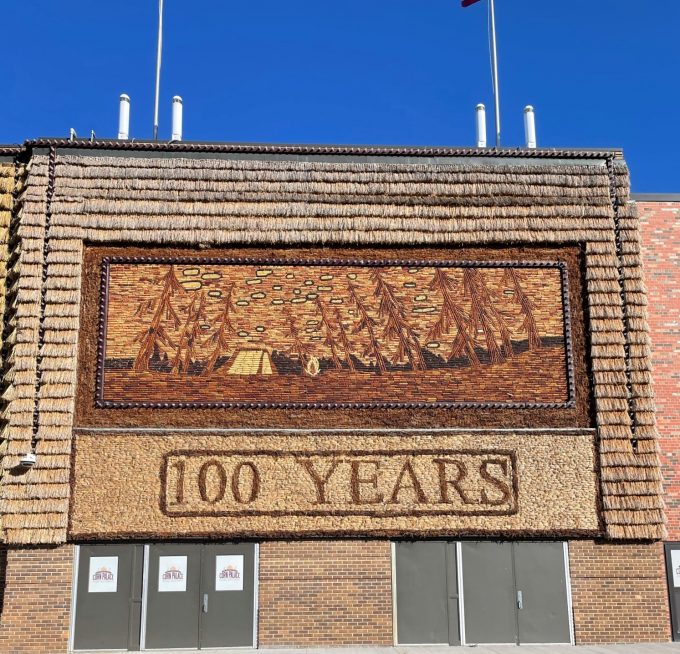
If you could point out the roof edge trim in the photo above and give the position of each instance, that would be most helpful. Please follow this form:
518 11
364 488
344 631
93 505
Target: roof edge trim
356 150
655 197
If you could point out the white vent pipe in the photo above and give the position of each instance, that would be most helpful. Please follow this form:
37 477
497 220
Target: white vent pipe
176 118
480 121
124 117
530 126
481 125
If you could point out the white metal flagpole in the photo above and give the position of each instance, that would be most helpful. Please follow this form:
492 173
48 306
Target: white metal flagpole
494 65
158 69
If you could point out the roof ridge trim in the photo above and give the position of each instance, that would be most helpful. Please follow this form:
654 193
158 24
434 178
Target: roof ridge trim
255 148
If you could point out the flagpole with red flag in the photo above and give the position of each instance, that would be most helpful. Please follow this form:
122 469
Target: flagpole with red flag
494 64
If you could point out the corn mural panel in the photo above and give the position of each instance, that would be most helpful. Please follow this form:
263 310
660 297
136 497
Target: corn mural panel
243 345
273 483
205 332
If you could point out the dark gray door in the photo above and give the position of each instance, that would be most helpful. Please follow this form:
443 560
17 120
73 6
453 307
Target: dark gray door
228 595
200 595
489 593
540 577
108 599
673 579
173 596
515 593
427 593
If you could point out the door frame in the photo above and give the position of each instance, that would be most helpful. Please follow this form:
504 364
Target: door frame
668 547
461 592
74 598
570 605
395 616
570 608
145 595
461 598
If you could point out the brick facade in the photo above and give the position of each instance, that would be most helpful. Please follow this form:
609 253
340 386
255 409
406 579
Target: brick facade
619 592
37 600
660 226
325 593
339 593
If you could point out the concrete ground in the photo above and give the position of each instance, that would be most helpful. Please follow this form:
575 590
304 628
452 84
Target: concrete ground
653 648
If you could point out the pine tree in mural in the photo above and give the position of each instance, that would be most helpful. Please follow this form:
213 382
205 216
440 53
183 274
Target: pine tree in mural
219 338
484 317
344 340
298 347
188 338
365 322
155 338
514 278
392 309
452 314
329 339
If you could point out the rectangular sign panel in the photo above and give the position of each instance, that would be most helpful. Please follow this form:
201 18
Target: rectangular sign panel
229 572
103 575
449 482
172 574
280 483
675 562
230 332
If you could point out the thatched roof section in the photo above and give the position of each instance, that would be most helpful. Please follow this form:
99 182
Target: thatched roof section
7 173
215 201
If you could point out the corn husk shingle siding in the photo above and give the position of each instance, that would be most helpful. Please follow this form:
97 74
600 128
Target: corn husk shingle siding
216 201
7 184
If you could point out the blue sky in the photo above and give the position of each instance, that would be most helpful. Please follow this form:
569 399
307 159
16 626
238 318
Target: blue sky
600 73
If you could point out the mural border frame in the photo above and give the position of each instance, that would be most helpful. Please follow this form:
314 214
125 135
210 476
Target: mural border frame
510 454
101 403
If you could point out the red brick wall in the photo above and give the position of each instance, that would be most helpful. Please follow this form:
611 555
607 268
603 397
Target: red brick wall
619 592
37 601
325 593
3 572
661 254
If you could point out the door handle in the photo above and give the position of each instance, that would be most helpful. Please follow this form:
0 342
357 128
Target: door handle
205 602
520 600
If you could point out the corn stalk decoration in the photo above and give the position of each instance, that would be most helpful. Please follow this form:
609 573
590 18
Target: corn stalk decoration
218 339
298 347
189 335
526 306
155 337
484 316
392 309
366 322
329 339
452 314
344 340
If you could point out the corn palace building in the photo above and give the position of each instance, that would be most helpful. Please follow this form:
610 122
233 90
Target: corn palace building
266 396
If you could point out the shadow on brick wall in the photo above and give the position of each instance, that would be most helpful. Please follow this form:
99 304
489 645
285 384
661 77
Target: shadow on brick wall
3 576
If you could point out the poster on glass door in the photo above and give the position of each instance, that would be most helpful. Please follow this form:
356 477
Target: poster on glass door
103 574
172 574
675 562
229 572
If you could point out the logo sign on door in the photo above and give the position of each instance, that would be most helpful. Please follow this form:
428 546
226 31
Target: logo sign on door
229 572
675 562
172 574
103 574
